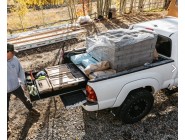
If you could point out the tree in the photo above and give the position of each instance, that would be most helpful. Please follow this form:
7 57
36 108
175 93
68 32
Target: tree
86 8
103 7
21 9
44 2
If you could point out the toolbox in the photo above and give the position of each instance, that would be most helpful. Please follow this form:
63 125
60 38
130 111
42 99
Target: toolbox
43 85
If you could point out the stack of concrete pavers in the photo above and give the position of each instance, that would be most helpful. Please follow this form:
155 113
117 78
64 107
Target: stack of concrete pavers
123 48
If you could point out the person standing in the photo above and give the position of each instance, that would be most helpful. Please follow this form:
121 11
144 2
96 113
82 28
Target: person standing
15 82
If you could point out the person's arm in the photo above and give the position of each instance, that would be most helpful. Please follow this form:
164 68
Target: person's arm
21 75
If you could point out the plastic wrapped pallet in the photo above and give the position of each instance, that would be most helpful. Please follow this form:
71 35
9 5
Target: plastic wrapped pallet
123 48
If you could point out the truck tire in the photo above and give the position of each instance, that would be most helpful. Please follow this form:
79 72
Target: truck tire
136 106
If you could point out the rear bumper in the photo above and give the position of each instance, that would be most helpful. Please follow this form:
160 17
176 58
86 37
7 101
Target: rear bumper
90 106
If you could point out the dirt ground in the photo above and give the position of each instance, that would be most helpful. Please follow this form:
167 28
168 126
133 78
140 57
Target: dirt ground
57 123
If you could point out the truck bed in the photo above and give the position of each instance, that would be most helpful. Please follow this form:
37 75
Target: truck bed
74 95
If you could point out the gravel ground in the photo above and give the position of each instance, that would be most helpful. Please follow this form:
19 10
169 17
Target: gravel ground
58 123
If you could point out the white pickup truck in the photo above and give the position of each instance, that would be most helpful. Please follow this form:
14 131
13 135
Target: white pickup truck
131 91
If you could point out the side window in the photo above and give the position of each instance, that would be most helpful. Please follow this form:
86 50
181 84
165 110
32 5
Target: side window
164 46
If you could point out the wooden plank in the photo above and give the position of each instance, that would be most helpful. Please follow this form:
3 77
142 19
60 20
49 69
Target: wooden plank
41 30
41 34
46 40
51 39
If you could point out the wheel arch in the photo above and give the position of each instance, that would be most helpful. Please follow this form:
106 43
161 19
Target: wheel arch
150 84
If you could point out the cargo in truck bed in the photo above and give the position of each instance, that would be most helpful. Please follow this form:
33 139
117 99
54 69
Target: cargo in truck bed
123 48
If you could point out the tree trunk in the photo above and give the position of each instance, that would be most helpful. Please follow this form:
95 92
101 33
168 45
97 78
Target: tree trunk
83 5
141 5
101 7
149 4
124 6
69 11
43 22
166 3
21 22
98 7
74 9
131 6
105 8
91 7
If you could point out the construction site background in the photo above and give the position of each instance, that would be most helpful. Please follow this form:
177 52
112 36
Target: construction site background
35 16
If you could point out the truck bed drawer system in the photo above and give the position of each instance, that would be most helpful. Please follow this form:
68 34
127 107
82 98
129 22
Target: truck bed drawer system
65 80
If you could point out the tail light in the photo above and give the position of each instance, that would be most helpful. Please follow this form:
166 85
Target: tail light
91 95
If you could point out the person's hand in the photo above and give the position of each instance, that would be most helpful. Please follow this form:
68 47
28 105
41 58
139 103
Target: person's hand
24 87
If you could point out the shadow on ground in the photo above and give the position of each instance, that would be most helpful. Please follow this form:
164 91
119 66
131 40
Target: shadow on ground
30 120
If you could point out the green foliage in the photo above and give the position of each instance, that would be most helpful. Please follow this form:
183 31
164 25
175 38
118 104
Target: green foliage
20 8
44 2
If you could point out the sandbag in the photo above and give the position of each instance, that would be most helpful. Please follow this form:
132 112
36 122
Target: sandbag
97 74
103 65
